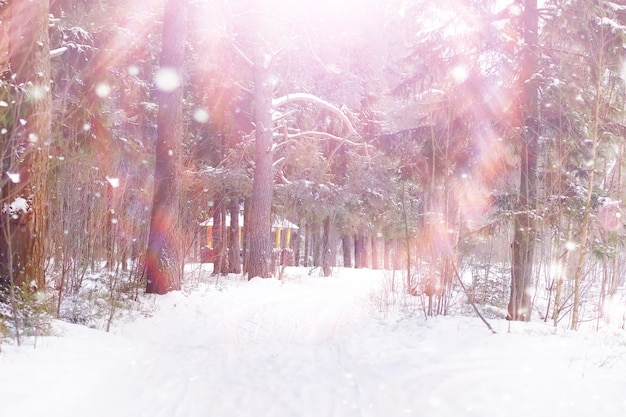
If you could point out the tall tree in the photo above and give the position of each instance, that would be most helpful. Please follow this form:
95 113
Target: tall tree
259 218
603 41
162 270
524 223
25 153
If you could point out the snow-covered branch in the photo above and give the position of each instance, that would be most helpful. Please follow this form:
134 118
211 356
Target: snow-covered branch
310 98
58 52
322 135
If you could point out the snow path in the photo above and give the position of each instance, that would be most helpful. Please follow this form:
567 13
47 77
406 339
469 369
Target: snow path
310 347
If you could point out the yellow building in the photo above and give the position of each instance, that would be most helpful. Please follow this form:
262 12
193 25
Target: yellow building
282 229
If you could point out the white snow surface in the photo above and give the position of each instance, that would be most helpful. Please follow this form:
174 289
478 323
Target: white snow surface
310 346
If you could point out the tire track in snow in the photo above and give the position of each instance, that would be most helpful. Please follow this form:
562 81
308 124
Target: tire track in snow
252 350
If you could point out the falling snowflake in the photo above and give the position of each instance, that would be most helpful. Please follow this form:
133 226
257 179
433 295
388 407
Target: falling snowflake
114 182
103 90
167 80
201 116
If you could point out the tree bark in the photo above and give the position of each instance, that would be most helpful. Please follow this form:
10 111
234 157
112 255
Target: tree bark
358 252
327 253
260 255
307 244
519 307
162 261
220 244
295 244
375 264
234 260
398 245
245 237
346 248
387 250
316 244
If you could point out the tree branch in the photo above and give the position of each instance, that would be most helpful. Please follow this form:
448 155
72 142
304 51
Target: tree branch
471 300
242 55
58 52
323 135
310 98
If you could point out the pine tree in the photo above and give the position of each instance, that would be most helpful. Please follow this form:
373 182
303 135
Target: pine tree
259 219
162 258
524 223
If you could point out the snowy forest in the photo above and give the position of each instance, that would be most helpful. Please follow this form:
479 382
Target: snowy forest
473 147
293 208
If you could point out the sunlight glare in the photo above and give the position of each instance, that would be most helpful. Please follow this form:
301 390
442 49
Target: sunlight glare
614 310
167 80
515 9
201 115
133 70
556 271
435 402
570 246
460 73
103 90
38 92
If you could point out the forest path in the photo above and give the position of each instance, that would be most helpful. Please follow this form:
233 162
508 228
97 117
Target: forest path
310 347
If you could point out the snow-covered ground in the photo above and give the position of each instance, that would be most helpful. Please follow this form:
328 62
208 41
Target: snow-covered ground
310 346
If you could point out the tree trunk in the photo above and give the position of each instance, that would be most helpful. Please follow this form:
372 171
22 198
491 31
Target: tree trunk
162 270
109 229
260 256
346 248
398 251
316 244
220 244
234 259
295 244
387 251
519 307
22 242
245 237
307 244
327 253
524 234
564 261
375 264
358 252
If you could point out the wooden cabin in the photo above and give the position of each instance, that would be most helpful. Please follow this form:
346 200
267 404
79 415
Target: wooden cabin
282 231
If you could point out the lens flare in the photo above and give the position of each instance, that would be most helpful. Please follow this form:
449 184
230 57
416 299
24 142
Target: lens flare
167 80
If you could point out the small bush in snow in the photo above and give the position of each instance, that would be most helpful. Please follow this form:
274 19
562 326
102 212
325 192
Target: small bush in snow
27 314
